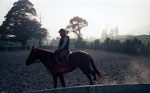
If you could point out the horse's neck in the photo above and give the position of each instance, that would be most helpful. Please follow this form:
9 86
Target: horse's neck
45 56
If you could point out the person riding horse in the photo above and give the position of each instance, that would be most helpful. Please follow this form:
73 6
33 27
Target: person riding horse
77 59
63 48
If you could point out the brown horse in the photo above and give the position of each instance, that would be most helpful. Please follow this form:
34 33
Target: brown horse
79 59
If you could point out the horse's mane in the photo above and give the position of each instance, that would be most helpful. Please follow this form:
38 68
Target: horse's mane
44 50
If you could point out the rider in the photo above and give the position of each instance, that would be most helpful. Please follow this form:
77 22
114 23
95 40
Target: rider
63 47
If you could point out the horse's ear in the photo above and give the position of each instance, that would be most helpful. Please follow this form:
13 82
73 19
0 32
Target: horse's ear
33 47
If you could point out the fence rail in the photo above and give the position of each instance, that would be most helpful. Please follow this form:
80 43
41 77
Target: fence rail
134 88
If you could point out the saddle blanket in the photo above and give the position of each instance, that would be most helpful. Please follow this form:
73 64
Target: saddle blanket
60 68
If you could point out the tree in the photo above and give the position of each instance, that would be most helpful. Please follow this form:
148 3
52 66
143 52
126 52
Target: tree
96 44
104 35
76 24
80 44
21 22
106 44
0 30
115 45
127 45
133 46
136 45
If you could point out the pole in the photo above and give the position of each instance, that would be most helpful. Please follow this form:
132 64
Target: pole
40 41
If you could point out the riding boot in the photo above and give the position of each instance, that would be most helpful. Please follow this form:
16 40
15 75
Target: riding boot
65 61
57 59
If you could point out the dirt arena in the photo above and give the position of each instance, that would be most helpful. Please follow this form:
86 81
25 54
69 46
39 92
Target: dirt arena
116 69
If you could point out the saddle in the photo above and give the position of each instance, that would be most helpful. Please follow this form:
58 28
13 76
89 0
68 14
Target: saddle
62 66
58 60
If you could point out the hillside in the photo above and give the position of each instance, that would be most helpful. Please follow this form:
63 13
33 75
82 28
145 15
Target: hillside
144 38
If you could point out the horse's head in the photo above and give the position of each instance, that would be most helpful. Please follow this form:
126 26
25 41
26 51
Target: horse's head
33 56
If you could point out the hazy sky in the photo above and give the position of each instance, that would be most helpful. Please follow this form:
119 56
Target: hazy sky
126 14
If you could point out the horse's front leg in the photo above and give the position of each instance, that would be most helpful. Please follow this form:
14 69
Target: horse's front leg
55 80
61 77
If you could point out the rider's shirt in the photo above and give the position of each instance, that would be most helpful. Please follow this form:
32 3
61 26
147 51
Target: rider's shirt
64 43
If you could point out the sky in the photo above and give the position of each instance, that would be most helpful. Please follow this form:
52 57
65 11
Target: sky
127 15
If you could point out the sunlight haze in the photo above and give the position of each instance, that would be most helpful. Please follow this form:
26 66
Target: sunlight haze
127 15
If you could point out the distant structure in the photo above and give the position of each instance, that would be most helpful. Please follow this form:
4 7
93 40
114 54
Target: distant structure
111 32
31 43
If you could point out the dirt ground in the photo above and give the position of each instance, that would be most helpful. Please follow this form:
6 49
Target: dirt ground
116 68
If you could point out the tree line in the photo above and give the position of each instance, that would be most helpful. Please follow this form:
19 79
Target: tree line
129 46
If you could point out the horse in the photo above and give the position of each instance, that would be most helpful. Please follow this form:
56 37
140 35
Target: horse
78 59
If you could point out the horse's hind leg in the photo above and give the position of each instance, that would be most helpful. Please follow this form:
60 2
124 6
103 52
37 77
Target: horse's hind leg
93 73
86 72
89 77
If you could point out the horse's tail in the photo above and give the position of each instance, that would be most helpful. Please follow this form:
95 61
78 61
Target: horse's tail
95 69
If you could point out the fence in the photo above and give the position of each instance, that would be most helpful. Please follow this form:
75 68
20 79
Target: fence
134 88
